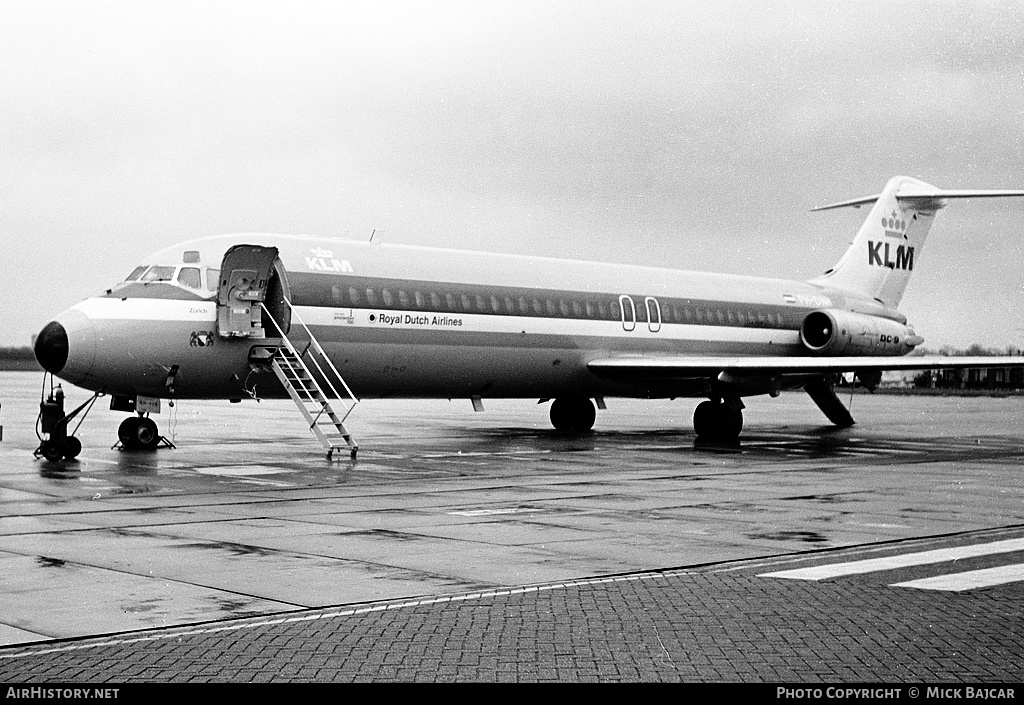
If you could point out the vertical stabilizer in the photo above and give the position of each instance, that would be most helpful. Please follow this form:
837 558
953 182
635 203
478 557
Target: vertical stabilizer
888 245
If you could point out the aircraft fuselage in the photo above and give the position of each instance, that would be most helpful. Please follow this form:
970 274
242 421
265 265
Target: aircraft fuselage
403 321
235 316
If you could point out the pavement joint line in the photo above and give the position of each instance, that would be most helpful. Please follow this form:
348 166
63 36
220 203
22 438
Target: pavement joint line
344 613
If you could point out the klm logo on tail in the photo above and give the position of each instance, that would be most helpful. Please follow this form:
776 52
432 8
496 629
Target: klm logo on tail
879 252
879 255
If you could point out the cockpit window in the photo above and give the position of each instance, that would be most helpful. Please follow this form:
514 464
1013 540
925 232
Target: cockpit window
189 276
159 274
185 277
136 273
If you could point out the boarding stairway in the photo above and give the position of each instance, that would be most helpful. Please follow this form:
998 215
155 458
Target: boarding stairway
324 407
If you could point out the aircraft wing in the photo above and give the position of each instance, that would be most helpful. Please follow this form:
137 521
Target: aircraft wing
693 367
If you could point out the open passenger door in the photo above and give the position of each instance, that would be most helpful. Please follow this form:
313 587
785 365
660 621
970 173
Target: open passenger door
251 275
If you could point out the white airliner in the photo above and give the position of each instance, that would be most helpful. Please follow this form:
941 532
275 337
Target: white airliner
244 316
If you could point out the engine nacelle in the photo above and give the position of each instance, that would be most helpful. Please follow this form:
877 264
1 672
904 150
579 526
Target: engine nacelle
834 332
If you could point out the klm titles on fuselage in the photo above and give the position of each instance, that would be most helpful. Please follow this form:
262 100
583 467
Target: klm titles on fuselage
883 255
415 320
328 264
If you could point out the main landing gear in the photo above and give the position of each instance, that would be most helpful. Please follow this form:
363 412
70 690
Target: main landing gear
140 433
718 420
573 414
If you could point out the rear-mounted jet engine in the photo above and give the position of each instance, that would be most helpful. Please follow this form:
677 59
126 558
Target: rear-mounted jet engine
834 333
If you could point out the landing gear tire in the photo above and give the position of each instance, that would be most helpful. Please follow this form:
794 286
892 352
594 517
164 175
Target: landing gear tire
138 433
126 431
718 421
705 419
732 422
147 435
573 414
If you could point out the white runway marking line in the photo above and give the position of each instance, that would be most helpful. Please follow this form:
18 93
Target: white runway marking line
969 580
871 565
493 512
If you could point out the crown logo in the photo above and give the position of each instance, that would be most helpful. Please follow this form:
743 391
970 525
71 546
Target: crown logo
320 252
895 226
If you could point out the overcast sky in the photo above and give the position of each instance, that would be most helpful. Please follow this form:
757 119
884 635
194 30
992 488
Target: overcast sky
682 134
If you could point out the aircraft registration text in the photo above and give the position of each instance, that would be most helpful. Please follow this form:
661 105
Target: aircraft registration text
810 300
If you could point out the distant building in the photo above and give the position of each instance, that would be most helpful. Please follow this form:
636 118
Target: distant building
957 378
971 378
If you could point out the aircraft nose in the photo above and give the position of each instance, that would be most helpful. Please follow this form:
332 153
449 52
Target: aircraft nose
67 346
52 347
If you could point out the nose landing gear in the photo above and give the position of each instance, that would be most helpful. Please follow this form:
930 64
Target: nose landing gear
140 433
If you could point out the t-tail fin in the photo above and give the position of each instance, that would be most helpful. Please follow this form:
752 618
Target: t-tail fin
888 245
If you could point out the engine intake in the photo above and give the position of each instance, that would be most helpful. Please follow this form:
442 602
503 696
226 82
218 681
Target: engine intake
836 333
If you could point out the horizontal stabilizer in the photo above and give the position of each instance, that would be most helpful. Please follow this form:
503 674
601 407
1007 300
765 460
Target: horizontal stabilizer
916 192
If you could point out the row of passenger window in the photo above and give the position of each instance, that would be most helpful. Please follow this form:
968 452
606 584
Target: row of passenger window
560 306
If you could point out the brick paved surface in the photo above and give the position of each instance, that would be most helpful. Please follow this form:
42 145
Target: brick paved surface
693 627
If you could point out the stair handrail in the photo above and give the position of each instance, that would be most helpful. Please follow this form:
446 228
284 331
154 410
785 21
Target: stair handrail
323 354
349 406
